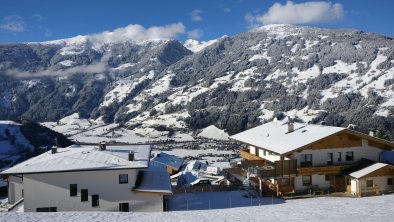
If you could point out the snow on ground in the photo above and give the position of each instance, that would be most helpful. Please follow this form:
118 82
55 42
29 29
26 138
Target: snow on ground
124 66
66 63
303 76
340 67
379 208
213 132
122 88
188 152
240 79
260 56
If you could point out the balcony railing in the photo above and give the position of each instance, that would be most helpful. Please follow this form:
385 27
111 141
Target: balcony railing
331 169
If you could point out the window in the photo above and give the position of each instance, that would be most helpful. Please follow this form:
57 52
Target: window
23 193
369 183
327 177
349 156
257 151
330 158
46 209
265 153
339 157
84 195
95 200
123 178
73 190
306 160
306 180
389 181
124 207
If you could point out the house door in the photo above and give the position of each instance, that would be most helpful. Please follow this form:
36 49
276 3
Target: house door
340 183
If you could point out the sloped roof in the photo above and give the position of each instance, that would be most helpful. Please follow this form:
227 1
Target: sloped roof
83 158
274 136
168 160
153 182
367 170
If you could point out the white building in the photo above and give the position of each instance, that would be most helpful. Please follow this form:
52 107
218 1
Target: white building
88 178
305 158
375 179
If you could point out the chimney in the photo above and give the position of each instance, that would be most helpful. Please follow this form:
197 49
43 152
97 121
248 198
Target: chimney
371 132
290 127
102 146
54 150
131 156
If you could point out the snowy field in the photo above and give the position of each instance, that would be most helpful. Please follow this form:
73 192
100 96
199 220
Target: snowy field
380 208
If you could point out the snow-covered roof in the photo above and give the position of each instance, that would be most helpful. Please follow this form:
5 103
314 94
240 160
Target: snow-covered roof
153 181
168 160
367 170
274 136
81 158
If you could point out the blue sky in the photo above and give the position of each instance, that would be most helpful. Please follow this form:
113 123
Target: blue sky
34 20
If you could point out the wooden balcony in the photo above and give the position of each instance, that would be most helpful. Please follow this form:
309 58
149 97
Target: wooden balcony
333 169
248 156
253 159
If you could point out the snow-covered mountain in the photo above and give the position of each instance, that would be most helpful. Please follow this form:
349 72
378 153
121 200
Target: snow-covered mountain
13 144
158 89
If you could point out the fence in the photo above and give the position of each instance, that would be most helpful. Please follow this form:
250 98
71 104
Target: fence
196 189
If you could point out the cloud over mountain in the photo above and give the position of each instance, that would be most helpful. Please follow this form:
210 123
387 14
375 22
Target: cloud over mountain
298 13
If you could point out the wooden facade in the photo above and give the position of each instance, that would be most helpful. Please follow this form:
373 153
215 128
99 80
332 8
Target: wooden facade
333 169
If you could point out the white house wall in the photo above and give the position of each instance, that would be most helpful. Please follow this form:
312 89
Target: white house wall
264 154
380 182
15 189
319 180
319 156
42 189
354 186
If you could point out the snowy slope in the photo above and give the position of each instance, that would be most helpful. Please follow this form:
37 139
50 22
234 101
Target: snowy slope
380 208
12 143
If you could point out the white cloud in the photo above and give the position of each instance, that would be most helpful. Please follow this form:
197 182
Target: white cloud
302 13
13 23
196 15
96 67
195 34
139 33
39 17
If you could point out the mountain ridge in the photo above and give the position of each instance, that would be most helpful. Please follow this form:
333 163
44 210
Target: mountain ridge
306 73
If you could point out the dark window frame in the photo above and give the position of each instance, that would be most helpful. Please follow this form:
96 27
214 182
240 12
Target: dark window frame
389 181
369 183
330 158
304 162
310 180
73 190
46 209
349 156
95 200
84 196
123 178
124 207
339 156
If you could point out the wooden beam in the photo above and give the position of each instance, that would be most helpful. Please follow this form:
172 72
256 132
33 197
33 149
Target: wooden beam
334 169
